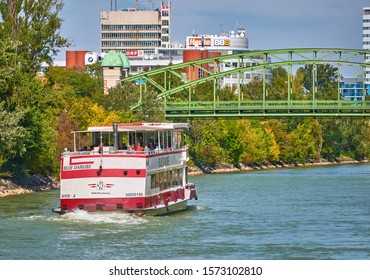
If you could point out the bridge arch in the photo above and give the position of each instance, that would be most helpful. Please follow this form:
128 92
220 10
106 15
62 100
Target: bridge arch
262 60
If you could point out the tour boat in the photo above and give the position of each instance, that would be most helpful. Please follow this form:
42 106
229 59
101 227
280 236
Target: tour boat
139 168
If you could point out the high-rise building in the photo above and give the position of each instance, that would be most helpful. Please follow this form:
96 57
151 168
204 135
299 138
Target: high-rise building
136 32
366 37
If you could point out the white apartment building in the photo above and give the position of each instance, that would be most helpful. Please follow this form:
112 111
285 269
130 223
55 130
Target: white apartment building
366 37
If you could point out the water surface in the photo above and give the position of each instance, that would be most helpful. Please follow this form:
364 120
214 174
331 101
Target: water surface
298 213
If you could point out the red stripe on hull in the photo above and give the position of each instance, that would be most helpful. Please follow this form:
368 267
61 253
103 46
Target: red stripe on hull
91 173
127 204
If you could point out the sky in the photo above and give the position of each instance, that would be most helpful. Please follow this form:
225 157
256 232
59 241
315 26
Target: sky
269 24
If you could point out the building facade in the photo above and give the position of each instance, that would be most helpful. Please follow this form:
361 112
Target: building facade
200 47
354 89
136 32
366 37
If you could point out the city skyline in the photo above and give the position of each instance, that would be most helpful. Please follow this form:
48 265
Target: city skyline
269 24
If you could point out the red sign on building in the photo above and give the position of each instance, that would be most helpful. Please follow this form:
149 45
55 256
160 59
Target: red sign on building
134 53
199 42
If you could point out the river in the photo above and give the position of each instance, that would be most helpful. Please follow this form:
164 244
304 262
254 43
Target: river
295 213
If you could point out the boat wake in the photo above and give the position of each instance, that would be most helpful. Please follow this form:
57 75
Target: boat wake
79 216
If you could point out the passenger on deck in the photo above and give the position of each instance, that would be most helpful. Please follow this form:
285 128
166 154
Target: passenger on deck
151 149
139 149
130 150
124 146
146 150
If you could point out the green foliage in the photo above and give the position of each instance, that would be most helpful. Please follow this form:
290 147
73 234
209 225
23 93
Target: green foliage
151 109
12 134
326 84
279 86
121 97
35 25
205 143
253 90
84 83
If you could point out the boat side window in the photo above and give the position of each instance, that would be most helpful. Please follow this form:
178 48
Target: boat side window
180 176
186 175
170 178
150 139
153 184
165 180
175 176
177 139
82 141
160 181
102 137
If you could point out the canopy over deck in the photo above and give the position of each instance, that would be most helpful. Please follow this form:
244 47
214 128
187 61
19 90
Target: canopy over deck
140 127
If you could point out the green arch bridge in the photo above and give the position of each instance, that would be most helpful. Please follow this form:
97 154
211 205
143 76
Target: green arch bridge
161 80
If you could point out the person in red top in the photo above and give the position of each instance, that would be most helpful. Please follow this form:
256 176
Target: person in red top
139 149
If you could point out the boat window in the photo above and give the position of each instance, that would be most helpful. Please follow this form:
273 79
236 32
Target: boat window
151 139
122 141
102 137
82 141
178 140
165 180
135 138
153 181
170 179
160 181
180 176
175 176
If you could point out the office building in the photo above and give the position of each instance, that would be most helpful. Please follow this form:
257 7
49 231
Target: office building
366 37
136 32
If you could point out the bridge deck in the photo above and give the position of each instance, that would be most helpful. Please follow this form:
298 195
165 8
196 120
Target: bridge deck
268 109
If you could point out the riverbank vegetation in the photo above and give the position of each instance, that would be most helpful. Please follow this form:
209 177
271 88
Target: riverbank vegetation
38 111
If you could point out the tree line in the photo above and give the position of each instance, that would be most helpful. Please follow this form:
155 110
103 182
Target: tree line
38 112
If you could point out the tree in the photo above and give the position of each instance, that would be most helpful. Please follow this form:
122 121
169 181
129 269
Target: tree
11 135
253 90
83 83
35 26
279 85
121 97
151 108
298 85
327 76
10 70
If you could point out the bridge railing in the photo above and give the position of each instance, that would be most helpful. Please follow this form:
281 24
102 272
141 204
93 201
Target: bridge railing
268 107
336 104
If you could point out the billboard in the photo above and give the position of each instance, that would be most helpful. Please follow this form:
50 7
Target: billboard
134 53
199 41
207 42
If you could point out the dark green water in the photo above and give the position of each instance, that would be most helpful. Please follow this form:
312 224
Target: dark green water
301 213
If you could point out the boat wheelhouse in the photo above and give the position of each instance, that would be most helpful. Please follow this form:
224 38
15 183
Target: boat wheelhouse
139 168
